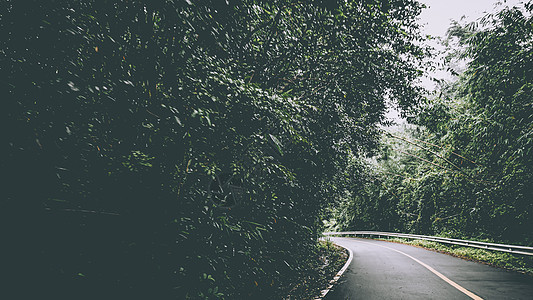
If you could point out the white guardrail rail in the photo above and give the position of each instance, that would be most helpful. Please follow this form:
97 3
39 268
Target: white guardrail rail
523 250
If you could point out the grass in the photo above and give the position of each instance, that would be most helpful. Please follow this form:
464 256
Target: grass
508 261
329 260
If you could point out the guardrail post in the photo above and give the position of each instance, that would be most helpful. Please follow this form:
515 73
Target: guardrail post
523 250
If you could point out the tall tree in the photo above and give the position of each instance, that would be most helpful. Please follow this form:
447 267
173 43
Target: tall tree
465 169
188 148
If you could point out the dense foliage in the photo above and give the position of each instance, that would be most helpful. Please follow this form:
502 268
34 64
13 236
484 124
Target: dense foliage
187 149
465 170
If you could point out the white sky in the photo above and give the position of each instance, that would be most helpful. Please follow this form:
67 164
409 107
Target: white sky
436 19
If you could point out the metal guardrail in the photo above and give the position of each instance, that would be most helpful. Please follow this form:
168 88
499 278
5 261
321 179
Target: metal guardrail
523 250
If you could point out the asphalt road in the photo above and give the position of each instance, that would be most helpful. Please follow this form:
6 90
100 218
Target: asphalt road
384 270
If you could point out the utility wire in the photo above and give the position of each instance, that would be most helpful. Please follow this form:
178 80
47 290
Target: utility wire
429 150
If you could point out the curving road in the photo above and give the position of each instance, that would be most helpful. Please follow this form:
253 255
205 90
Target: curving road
384 270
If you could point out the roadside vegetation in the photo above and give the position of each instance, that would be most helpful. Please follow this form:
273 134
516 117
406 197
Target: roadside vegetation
508 261
331 258
189 149
197 149
462 166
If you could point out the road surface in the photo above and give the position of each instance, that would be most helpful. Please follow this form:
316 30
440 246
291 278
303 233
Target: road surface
384 270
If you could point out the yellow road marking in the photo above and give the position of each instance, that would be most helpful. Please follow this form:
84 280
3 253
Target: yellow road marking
448 280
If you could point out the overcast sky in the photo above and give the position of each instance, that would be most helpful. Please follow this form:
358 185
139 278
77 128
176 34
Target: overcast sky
436 19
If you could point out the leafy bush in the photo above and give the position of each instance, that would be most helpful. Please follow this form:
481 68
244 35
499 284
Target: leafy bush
187 149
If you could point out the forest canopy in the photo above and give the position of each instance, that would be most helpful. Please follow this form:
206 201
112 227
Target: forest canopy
463 166
198 149
189 149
